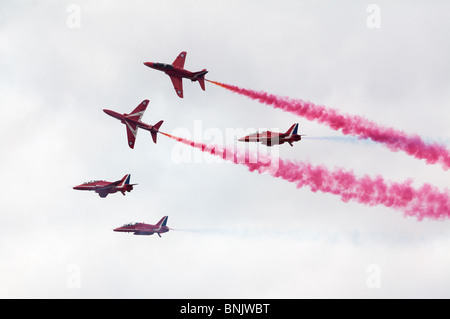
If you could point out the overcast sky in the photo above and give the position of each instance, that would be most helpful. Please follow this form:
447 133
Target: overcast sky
238 234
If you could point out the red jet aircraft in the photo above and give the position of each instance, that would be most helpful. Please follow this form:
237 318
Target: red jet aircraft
103 188
133 122
176 72
145 229
272 138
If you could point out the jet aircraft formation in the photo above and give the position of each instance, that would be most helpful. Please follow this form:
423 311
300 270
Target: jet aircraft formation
133 122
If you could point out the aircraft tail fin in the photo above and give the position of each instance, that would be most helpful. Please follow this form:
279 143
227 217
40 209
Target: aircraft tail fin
155 130
163 221
125 180
293 129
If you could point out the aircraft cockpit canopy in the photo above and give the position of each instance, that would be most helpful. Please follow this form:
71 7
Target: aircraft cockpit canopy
163 65
90 182
131 224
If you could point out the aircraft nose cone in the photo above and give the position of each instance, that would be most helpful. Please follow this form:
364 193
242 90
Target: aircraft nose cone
149 64
109 112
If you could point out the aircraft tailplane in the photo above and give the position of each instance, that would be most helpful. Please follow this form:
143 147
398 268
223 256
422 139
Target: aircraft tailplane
201 80
155 131
200 77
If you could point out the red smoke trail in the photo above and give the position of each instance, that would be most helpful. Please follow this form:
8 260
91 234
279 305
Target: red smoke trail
424 202
352 125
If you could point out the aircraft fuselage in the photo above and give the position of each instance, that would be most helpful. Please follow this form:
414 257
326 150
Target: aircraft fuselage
123 118
271 138
142 229
172 70
103 188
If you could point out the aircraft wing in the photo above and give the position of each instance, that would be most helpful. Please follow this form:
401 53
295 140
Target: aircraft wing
143 232
106 188
179 61
178 85
111 185
138 111
131 133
